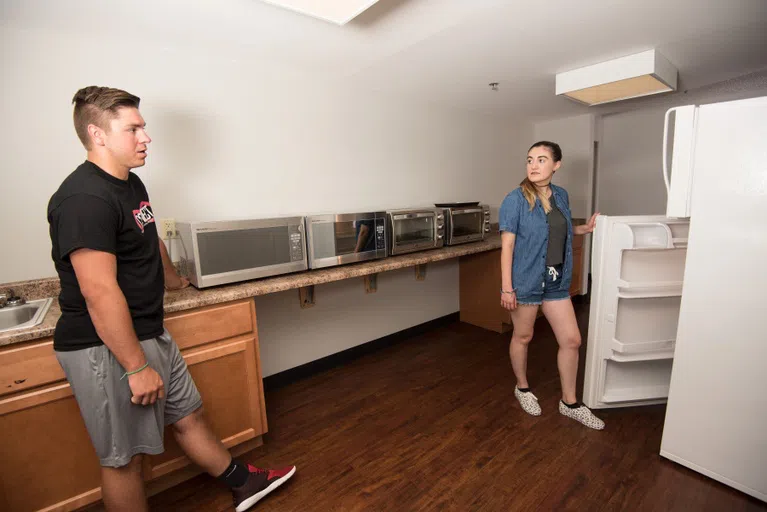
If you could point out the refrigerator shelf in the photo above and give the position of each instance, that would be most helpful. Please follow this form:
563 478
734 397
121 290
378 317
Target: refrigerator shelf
650 294
634 394
649 356
649 289
642 347
624 285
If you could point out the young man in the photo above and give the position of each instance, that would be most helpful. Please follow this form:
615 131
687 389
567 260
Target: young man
125 370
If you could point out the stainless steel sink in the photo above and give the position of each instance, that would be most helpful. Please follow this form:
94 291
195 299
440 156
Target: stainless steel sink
27 315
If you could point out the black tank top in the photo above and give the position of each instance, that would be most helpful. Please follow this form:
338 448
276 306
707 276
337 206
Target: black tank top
555 255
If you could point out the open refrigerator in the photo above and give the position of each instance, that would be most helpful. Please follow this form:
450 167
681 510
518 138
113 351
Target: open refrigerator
679 302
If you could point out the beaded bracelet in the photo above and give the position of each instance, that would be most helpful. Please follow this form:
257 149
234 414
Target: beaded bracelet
133 372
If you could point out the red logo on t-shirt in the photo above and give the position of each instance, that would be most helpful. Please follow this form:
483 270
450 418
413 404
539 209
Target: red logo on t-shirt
143 215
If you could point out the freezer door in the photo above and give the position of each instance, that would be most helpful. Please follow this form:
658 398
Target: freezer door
637 270
716 419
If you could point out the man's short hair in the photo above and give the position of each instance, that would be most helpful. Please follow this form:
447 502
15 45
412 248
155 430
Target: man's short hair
98 105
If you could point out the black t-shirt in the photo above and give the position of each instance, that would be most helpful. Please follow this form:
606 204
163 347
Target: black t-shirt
94 210
555 255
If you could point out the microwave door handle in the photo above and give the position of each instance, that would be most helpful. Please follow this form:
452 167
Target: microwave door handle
665 149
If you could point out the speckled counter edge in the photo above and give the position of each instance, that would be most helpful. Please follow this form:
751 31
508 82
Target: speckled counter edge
191 297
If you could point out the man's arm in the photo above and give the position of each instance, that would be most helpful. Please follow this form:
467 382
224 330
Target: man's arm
172 280
96 273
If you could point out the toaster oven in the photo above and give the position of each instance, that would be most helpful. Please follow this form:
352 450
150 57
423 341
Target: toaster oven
415 229
466 223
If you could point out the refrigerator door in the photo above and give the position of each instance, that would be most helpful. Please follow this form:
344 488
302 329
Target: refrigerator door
678 159
716 420
637 271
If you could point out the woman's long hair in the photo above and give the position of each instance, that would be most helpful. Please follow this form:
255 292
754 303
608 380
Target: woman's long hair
529 190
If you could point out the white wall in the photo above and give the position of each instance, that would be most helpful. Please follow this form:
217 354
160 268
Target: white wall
235 137
629 180
629 177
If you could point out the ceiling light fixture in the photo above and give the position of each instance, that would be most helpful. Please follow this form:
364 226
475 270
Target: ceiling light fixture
641 74
339 12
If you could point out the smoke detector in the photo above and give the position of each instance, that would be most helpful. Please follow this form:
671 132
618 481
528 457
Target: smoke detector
493 86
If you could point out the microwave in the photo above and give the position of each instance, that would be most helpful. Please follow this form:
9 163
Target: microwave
466 223
221 252
345 238
415 229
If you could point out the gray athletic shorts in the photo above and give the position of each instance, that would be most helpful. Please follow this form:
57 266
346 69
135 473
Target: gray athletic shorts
118 428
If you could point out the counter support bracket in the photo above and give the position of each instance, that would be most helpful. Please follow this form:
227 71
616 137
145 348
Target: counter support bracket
371 283
420 272
306 296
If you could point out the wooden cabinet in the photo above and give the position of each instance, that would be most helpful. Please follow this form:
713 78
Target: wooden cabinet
46 459
228 379
480 291
480 288
575 285
44 438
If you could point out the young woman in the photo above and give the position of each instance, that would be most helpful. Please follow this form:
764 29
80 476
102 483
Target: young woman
536 269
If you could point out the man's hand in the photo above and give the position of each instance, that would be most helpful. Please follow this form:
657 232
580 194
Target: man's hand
147 387
176 282
172 280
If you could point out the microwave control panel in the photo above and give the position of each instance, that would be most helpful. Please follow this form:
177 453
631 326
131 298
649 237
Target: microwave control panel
296 244
380 234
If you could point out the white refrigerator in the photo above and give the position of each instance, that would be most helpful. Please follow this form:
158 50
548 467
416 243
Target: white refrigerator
679 302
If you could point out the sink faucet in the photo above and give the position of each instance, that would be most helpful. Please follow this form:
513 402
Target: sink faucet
9 299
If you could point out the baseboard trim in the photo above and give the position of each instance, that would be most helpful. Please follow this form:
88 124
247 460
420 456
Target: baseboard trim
291 375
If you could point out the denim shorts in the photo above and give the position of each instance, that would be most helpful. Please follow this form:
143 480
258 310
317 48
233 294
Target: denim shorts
551 288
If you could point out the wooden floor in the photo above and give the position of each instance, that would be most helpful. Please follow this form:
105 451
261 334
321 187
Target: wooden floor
431 423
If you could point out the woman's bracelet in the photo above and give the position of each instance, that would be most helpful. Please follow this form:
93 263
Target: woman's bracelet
512 292
134 372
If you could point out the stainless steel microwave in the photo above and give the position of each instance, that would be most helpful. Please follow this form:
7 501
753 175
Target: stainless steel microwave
465 223
221 252
345 238
415 229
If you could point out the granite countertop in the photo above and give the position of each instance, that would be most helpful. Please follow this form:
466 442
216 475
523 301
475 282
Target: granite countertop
191 297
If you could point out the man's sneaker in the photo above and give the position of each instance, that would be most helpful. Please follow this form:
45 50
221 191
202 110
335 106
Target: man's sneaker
528 401
260 483
582 414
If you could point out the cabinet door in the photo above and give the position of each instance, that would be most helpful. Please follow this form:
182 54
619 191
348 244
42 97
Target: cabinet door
228 377
46 457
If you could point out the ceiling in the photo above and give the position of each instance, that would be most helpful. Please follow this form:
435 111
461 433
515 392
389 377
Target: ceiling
442 51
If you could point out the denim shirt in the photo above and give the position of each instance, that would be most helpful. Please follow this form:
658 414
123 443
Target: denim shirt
528 265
